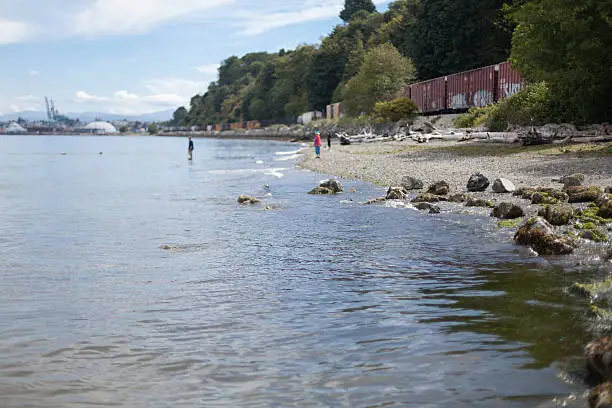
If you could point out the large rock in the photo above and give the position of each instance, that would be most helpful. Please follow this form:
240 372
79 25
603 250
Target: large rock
507 211
608 190
396 193
411 183
601 396
598 355
579 194
245 199
572 180
605 209
439 188
549 196
433 209
334 185
477 182
502 185
537 233
474 202
557 214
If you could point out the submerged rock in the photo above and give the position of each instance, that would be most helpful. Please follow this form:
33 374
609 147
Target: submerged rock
411 183
580 194
433 209
557 214
507 211
376 200
477 182
572 180
502 185
428 198
320 190
537 233
601 396
245 199
593 291
439 188
334 185
598 355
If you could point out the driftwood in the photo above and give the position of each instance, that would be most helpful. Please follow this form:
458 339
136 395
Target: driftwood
595 139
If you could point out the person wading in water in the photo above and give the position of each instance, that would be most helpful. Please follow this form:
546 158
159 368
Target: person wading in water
190 149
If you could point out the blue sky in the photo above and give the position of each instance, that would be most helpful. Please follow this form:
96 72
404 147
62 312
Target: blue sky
137 56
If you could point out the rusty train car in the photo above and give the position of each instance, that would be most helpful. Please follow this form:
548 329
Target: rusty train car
461 91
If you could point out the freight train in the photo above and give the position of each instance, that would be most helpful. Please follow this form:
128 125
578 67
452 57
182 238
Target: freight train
459 92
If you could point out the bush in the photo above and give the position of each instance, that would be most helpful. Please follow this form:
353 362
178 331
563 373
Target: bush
530 106
396 110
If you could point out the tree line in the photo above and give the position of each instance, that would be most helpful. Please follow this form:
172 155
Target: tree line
372 56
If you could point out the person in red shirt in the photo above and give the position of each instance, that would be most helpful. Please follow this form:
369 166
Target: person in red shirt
317 144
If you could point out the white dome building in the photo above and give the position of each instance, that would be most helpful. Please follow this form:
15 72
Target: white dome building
101 127
15 127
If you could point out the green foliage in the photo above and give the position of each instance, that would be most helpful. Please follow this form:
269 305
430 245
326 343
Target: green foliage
382 77
396 110
529 106
179 116
152 129
123 129
352 7
566 43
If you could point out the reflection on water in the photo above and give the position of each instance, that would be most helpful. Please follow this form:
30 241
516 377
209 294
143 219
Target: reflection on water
134 279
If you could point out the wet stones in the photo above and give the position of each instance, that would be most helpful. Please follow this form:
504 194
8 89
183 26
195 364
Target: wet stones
334 185
601 396
579 194
411 183
502 185
477 182
457 198
320 191
507 211
396 193
433 209
548 196
428 198
598 355
557 214
537 233
439 188
245 199
605 209
474 202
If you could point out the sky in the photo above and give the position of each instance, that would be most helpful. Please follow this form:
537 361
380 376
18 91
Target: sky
138 56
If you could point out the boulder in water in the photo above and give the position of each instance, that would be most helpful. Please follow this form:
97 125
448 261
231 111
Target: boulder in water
537 233
601 396
557 214
320 190
411 183
457 198
396 193
433 209
580 194
477 182
502 185
598 355
507 211
439 188
477 202
334 185
428 198
245 199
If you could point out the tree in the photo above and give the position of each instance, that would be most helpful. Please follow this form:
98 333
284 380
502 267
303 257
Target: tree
123 129
352 7
396 110
152 129
451 36
179 116
383 76
562 43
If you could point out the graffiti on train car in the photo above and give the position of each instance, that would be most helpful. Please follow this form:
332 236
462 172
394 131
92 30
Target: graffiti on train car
508 89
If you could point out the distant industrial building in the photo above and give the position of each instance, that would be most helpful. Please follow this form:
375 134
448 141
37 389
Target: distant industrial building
15 128
99 127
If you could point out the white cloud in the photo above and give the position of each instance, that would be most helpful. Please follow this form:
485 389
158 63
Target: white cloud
12 32
176 86
208 69
33 72
115 17
82 96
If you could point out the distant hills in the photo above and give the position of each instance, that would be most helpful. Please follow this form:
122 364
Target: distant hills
159 116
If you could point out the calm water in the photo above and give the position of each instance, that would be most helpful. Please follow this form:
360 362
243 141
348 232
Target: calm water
316 303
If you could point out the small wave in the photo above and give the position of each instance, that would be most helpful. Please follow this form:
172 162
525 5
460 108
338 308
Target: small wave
292 157
293 152
276 173
259 162
247 171
398 204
